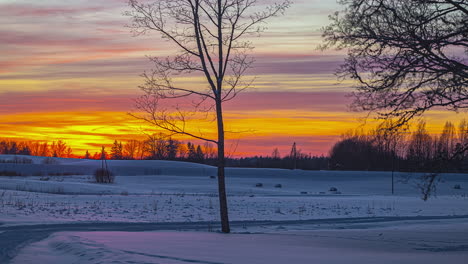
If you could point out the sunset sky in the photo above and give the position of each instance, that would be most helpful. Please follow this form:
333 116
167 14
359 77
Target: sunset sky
70 70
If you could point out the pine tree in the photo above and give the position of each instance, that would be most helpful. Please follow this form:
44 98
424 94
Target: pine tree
293 156
117 150
192 154
199 154
171 149
87 156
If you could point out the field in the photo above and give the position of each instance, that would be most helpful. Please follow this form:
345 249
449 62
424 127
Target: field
167 212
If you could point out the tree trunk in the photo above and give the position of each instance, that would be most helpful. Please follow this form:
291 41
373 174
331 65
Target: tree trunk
221 179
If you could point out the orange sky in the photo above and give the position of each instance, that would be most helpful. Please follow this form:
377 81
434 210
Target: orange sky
70 71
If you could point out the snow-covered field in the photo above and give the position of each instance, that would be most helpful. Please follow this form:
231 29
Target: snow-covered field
156 192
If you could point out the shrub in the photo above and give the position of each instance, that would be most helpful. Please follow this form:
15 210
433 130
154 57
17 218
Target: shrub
259 185
457 187
103 176
278 186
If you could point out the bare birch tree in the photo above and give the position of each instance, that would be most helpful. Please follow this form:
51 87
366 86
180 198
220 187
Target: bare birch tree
211 38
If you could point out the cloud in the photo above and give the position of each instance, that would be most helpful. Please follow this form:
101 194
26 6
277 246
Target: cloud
28 10
77 97
284 100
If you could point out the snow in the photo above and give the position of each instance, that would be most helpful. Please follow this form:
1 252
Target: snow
428 243
155 195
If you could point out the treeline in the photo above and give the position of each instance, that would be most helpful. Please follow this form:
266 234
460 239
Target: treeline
379 149
157 147
162 147
412 151
306 162
34 148
296 159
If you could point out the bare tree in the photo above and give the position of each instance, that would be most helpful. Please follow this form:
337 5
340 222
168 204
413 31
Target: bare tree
275 154
462 137
155 146
131 148
210 35
407 57
209 150
446 143
59 149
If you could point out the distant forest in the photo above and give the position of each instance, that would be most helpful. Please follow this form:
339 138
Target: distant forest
375 150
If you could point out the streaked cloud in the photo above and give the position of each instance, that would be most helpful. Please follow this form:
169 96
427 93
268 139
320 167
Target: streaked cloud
70 69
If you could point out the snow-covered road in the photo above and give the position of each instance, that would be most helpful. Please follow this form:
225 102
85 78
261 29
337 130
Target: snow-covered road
352 240
15 241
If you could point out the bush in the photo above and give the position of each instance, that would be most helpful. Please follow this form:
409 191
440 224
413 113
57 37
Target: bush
104 176
259 185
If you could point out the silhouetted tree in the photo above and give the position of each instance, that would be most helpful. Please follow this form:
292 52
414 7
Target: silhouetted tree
420 148
117 150
293 155
463 141
131 149
192 154
171 147
200 155
103 154
354 152
155 145
407 57
209 150
276 154
209 35
59 149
